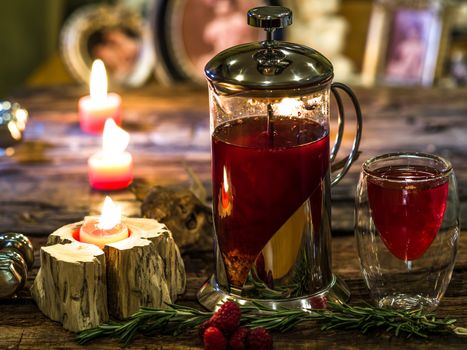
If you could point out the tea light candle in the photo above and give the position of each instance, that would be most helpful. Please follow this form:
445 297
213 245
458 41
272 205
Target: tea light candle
107 229
99 105
112 167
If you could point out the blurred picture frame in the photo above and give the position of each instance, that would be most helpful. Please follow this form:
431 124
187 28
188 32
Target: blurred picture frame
405 43
187 33
117 35
455 67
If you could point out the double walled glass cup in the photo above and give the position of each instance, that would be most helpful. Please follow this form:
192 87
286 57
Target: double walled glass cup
407 228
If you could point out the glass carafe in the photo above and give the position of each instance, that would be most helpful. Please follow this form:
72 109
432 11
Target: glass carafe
271 155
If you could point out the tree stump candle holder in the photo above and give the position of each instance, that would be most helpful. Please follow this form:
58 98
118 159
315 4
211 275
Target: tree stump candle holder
81 285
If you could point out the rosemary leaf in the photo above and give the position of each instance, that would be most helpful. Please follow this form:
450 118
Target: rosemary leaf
178 319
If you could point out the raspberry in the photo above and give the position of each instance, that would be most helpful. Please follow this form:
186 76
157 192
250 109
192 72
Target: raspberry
202 328
214 339
319 303
238 339
259 339
227 318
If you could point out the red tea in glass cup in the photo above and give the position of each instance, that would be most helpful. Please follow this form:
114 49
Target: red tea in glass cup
408 212
407 228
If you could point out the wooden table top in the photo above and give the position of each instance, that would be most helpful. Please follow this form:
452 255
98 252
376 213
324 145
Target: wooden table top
43 185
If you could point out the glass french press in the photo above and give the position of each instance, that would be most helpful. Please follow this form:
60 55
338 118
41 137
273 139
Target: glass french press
269 110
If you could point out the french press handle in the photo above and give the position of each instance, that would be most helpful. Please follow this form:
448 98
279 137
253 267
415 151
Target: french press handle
340 131
273 17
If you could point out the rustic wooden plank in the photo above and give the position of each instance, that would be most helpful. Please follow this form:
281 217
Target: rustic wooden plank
44 184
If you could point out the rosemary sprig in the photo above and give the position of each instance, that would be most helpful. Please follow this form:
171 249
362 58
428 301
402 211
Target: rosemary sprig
344 316
177 319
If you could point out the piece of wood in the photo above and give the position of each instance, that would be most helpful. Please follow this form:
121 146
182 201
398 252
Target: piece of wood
189 220
145 269
71 285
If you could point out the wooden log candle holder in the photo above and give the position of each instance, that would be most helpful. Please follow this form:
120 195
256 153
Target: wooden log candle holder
80 285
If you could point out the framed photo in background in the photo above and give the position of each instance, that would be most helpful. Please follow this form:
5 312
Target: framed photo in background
187 33
405 43
117 35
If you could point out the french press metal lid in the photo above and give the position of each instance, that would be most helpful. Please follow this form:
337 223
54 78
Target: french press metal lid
275 66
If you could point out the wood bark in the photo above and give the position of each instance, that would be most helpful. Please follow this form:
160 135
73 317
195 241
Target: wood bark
80 285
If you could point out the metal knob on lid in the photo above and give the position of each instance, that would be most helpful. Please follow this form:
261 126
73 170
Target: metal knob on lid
16 258
270 17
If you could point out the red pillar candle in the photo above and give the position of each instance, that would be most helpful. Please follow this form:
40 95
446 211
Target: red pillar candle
112 167
96 108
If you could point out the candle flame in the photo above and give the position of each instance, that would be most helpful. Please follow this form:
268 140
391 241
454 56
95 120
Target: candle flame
21 118
111 215
98 81
288 107
14 131
114 139
226 181
225 196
